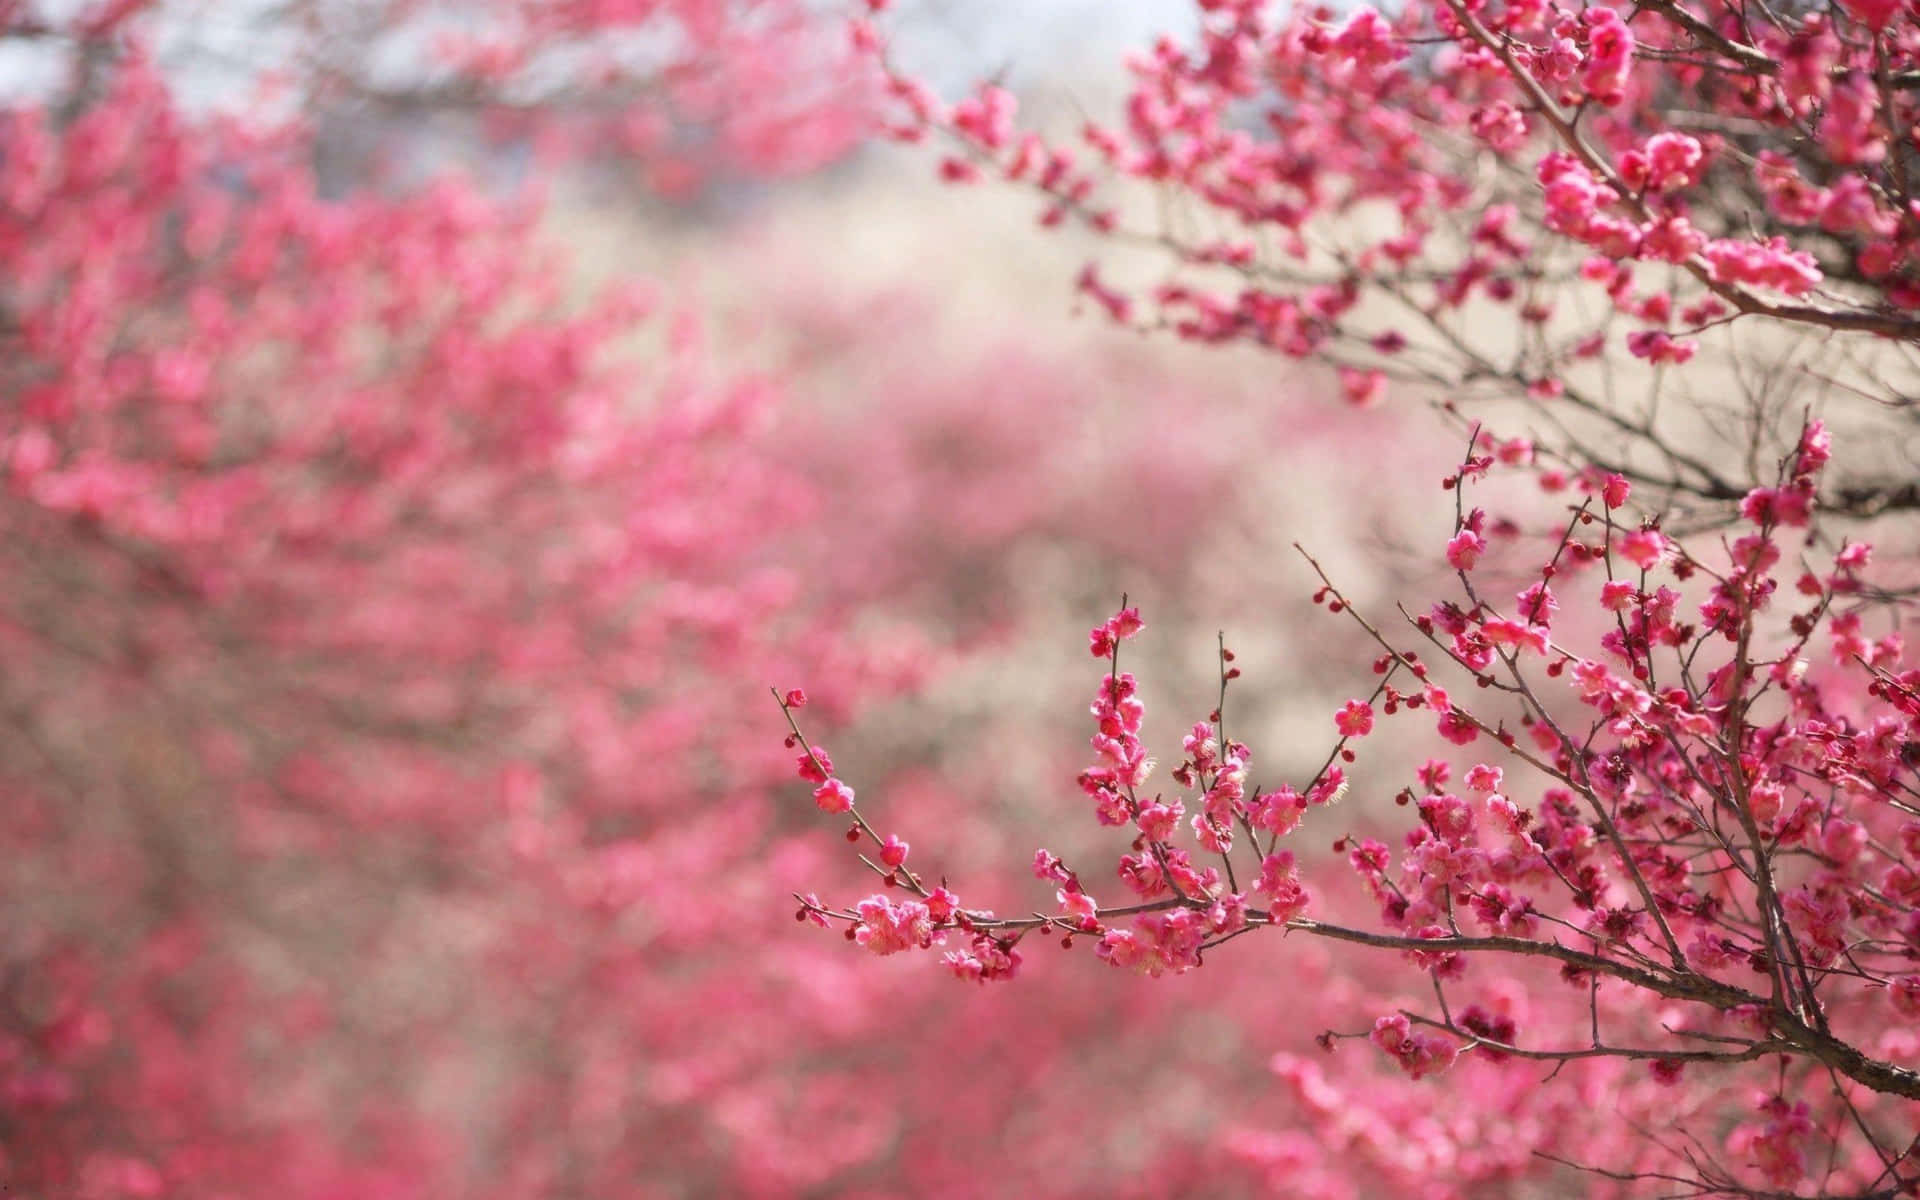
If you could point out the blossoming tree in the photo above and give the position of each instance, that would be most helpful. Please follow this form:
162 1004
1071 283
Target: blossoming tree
1666 829
353 576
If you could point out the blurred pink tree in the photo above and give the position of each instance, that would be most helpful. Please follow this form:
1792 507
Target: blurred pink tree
364 605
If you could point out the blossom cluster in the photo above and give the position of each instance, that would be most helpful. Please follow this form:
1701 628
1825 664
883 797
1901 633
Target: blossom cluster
1627 180
1680 809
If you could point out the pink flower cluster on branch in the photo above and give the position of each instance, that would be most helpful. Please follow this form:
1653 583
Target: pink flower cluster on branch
1670 808
1353 187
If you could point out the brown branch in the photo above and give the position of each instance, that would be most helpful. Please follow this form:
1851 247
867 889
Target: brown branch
1791 1035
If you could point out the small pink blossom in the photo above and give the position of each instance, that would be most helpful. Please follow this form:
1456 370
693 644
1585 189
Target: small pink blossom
1644 548
985 960
814 765
1513 634
833 796
888 928
1500 125
1121 626
1770 264
1279 886
1660 348
942 904
1362 389
1537 604
1673 240
1355 719
1854 556
1672 160
1077 904
1484 778
1368 38
1458 728
1419 1053
1464 550
1816 449
1610 46
1515 452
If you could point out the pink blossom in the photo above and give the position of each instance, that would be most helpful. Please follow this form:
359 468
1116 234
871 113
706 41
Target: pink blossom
1854 556
1329 788
1355 719
1772 264
1419 1054
1464 550
888 928
1362 389
1077 904
1778 506
1847 130
1458 728
942 904
1515 452
833 796
1121 626
1660 348
1672 160
1537 604
985 960
1158 821
1573 197
1277 812
1644 548
1159 943
1280 887
1673 240
814 765
1500 125
1610 46
1816 449
1513 634
1368 38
